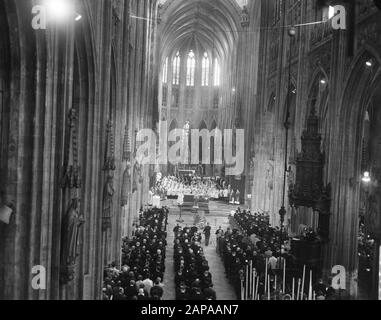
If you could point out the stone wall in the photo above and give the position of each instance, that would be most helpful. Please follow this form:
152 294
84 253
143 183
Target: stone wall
317 52
69 94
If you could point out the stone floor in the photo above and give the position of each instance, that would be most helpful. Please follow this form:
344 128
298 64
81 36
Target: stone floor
218 217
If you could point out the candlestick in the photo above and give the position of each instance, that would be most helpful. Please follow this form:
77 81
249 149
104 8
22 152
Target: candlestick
284 276
251 277
253 287
242 294
304 276
256 289
247 282
310 287
293 289
298 296
266 277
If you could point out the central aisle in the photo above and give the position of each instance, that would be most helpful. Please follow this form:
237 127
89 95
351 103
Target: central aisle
221 284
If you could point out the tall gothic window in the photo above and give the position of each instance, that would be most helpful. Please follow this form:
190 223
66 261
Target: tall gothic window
191 66
205 70
165 71
176 69
217 73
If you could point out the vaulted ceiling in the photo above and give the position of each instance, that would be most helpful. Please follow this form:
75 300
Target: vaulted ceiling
206 23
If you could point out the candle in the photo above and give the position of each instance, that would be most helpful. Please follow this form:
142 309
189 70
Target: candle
253 287
266 277
247 282
298 293
256 289
293 288
304 276
251 277
310 287
284 276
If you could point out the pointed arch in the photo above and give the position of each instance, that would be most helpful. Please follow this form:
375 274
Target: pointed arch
176 69
361 85
174 125
203 125
191 68
205 70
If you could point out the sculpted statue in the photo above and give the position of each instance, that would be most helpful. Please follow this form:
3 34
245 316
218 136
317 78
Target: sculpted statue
126 185
108 194
138 176
71 225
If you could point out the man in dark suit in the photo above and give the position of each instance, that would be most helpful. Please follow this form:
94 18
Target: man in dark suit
157 291
207 232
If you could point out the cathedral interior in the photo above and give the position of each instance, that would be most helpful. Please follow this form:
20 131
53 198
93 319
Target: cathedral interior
80 80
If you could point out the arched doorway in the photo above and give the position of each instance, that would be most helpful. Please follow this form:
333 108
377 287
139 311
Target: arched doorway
370 200
359 200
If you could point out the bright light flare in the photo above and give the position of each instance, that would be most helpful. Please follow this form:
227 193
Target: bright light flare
366 177
59 10
331 12
369 63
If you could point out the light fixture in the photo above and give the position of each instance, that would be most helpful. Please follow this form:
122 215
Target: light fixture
331 12
58 10
233 89
292 32
369 63
323 81
294 91
78 17
366 177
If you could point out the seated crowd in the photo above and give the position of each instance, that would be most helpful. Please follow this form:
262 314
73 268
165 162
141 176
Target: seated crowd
175 186
193 279
255 240
143 260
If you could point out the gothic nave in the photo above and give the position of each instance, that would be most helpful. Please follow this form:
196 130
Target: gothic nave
132 130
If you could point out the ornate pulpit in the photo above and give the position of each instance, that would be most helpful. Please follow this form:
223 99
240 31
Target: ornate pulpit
309 190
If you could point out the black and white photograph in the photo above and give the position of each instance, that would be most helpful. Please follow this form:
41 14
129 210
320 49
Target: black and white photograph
213 153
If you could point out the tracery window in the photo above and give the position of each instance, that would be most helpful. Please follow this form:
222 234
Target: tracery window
176 69
191 66
205 70
165 71
217 73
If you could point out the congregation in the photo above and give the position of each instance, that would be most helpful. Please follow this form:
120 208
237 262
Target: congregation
249 241
143 261
193 279
213 188
253 242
